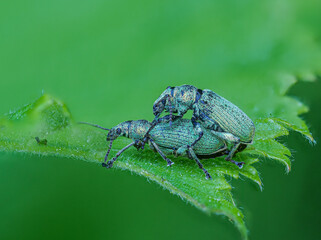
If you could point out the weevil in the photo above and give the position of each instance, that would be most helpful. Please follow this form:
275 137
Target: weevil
168 140
214 112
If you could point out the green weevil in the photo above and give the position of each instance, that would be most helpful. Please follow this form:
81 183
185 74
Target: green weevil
166 139
222 117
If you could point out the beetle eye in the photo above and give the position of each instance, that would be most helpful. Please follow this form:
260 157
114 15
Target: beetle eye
118 131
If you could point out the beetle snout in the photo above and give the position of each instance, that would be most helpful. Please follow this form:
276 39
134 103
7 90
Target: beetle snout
111 136
158 109
155 110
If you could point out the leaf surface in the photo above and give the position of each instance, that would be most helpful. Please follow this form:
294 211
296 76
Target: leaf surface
49 120
251 52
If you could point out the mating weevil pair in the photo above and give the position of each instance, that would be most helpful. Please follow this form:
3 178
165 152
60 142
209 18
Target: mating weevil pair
215 122
215 113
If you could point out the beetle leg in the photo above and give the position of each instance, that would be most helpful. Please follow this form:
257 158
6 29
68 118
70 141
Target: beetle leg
169 162
181 150
226 136
236 143
200 165
156 121
233 150
111 162
231 153
170 110
198 129
229 138
138 144
106 156
168 118
239 164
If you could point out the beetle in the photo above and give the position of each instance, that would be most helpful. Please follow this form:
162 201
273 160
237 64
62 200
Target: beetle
168 140
222 117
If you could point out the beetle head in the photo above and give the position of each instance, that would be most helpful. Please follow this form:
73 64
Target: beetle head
161 102
119 130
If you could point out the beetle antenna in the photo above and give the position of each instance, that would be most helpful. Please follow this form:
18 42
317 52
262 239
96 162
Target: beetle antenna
94 125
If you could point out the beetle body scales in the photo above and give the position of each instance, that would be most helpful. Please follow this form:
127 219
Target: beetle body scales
223 118
181 133
167 139
216 111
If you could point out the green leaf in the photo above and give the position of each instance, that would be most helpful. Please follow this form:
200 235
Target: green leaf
45 127
250 52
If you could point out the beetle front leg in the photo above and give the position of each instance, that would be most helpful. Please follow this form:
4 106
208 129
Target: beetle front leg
200 165
169 162
111 162
104 164
233 150
168 118
138 144
156 121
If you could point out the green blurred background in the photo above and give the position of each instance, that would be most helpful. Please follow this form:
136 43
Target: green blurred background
108 61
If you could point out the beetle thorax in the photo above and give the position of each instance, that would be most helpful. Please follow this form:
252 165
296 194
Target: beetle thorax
182 99
138 129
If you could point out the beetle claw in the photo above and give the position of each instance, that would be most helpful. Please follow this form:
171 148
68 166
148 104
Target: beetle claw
208 176
109 164
169 163
240 164
142 144
104 164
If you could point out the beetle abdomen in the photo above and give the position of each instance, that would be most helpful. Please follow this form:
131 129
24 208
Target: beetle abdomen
216 110
182 133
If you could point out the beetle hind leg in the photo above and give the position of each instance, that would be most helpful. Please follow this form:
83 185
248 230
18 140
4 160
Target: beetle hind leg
237 146
239 164
229 138
233 150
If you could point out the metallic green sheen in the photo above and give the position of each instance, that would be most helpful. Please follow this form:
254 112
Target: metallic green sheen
214 112
170 137
226 115
181 133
